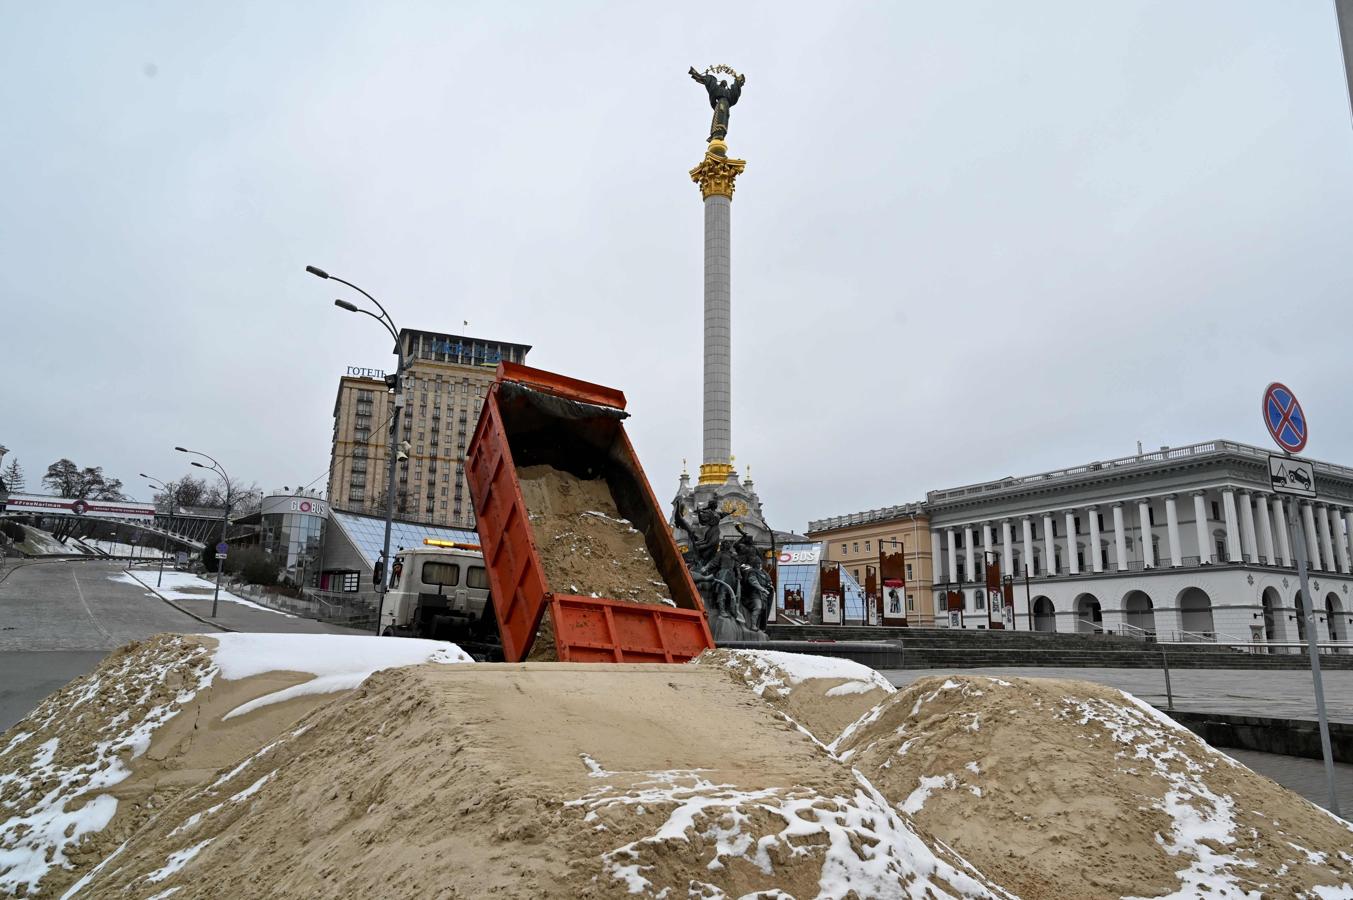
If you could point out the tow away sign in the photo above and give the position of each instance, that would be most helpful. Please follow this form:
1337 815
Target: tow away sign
1291 476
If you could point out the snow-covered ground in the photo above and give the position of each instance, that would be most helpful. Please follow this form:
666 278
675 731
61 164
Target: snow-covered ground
186 586
41 543
116 548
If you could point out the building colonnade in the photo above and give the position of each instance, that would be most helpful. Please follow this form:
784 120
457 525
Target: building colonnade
1254 529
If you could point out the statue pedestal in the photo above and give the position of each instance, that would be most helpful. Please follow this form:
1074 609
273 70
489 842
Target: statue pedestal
727 628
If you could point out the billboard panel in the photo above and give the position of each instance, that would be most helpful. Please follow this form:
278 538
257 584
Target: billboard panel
40 505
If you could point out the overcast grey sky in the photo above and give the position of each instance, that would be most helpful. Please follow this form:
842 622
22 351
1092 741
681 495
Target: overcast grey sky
972 239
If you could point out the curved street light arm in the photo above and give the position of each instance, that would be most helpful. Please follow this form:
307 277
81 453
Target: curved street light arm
214 463
390 321
388 327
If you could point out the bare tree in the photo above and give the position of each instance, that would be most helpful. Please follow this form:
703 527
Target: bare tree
241 498
71 482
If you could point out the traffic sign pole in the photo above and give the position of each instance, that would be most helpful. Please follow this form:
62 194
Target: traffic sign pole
1307 612
1287 425
220 564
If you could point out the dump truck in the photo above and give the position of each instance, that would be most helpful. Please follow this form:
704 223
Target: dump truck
440 591
536 418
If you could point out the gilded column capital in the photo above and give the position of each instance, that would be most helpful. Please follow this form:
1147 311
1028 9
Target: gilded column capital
716 172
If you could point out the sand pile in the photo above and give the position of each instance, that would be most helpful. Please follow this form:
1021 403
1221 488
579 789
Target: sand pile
1059 789
745 774
585 547
821 694
547 780
99 758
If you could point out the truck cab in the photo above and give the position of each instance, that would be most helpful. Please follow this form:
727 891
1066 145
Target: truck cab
442 594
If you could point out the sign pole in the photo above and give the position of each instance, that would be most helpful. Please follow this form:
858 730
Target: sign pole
1308 613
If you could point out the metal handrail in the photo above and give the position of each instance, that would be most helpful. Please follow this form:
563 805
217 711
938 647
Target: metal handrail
1095 627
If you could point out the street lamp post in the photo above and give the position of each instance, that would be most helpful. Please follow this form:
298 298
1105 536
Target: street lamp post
225 515
389 324
168 492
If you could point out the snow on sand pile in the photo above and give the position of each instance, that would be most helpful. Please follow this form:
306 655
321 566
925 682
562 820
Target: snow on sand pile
97 759
1063 789
821 694
541 780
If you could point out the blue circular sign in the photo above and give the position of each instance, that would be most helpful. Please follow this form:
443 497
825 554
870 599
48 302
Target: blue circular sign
1285 418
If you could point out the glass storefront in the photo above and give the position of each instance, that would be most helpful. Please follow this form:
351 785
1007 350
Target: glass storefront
293 533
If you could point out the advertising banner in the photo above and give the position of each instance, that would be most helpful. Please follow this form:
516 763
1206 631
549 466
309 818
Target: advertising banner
893 571
871 596
40 505
833 612
995 596
831 608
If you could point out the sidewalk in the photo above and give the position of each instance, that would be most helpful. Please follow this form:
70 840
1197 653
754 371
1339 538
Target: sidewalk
193 595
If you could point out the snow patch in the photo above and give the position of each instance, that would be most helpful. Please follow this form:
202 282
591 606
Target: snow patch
176 861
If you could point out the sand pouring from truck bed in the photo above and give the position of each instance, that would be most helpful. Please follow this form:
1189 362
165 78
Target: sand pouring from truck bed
585 546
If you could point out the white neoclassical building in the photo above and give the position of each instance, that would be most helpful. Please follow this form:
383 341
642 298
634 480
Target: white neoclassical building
1184 543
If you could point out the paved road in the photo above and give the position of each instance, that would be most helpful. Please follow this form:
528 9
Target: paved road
59 619
1305 776
1280 694
80 606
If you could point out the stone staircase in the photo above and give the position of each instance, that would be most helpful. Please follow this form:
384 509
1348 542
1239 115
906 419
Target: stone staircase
925 648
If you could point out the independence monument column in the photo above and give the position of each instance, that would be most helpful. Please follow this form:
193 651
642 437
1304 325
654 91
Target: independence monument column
715 176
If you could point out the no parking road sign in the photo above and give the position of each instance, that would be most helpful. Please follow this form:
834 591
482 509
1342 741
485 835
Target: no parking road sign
1284 417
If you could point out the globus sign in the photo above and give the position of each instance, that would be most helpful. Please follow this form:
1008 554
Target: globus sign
809 556
282 504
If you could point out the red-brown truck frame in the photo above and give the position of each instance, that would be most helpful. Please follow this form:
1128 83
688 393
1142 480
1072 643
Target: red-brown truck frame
533 417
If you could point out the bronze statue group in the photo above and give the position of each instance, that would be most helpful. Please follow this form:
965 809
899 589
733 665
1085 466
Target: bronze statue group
730 575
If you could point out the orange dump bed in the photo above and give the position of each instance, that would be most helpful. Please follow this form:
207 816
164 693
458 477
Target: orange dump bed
532 417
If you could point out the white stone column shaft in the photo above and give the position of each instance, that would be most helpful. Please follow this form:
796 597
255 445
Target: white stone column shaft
968 548
1267 548
1049 548
1250 545
936 557
1096 554
1027 524
986 547
1340 539
1007 550
1228 505
1172 526
1312 540
1119 538
1348 532
718 410
1322 518
1284 531
1200 525
1072 564
1147 533
952 537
